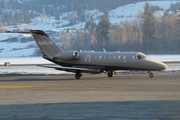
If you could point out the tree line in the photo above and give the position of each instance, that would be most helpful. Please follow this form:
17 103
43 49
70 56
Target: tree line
147 33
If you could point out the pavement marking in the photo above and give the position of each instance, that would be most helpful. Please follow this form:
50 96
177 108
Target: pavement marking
26 86
174 117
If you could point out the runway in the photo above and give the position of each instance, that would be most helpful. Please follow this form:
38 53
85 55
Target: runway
125 96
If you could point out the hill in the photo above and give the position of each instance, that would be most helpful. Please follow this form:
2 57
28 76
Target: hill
18 45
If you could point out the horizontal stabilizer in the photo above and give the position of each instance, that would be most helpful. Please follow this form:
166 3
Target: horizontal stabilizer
23 32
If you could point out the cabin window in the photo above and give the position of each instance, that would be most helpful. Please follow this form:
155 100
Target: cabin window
100 57
124 57
119 57
104 57
132 57
114 57
95 57
109 57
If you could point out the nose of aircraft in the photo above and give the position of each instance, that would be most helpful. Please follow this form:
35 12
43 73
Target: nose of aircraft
158 65
162 66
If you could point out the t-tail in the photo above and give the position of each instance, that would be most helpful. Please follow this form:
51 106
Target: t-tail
47 46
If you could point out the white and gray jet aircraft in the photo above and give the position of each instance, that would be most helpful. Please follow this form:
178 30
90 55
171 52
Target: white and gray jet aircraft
93 62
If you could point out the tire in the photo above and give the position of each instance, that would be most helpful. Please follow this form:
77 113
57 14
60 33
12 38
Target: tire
151 75
78 75
110 74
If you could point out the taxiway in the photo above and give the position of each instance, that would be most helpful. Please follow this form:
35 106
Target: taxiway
126 96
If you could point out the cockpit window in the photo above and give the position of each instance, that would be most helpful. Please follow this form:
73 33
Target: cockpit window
141 56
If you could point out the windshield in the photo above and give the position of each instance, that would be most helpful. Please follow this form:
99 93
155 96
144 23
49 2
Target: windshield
140 56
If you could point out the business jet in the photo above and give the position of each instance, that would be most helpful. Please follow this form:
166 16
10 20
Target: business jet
93 62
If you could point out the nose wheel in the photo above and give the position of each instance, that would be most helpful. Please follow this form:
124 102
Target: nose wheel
151 74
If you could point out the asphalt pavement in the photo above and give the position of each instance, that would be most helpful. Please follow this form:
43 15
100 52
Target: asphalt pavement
93 97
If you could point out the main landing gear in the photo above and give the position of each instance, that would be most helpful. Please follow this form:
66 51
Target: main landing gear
78 75
151 74
111 73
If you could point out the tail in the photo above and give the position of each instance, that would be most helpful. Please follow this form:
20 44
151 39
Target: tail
47 46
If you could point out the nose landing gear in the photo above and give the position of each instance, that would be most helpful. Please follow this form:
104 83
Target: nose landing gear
151 74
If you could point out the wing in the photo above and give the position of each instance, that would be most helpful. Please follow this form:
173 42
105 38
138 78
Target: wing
72 69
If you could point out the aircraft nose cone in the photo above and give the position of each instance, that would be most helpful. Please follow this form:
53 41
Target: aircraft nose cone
163 66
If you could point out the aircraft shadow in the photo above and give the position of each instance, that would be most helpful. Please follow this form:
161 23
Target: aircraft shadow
35 79
21 78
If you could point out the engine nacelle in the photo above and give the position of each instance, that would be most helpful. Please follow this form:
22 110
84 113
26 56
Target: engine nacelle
67 56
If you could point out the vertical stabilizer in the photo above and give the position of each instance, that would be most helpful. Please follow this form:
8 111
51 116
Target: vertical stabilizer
47 46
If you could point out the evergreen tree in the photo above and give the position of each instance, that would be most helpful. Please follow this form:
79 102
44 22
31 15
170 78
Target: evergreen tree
82 16
57 14
106 13
26 16
177 32
102 31
149 29
90 25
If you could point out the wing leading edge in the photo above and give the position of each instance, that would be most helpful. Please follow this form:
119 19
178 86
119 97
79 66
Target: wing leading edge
73 69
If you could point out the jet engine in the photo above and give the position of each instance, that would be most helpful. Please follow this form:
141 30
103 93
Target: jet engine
67 56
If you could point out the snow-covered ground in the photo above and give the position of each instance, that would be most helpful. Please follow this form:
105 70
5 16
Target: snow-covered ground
29 70
8 35
16 49
130 11
24 60
165 58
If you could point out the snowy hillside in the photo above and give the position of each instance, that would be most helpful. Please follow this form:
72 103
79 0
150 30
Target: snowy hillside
46 23
131 11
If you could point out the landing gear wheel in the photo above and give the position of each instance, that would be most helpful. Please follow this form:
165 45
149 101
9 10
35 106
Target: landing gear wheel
151 75
78 75
110 74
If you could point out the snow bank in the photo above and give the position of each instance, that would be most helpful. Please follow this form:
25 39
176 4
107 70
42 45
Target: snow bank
24 60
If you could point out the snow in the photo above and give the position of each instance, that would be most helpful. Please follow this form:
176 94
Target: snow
165 58
133 10
18 53
10 46
24 60
29 70
8 35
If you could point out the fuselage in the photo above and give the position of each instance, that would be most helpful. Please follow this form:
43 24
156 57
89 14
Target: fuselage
111 61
